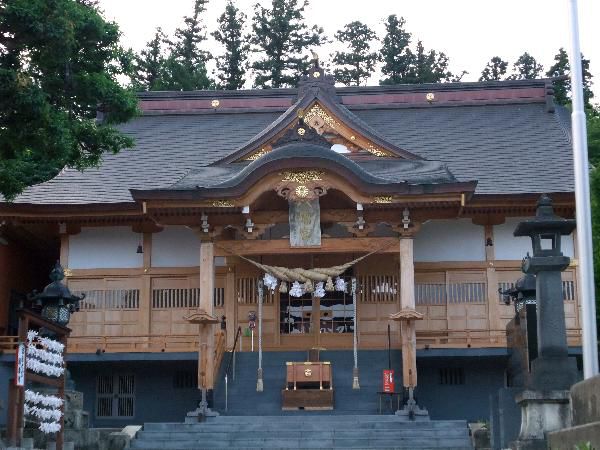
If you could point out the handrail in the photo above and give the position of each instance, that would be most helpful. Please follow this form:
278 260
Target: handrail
235 341
231 360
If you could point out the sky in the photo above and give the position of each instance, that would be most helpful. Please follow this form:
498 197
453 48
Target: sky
470 32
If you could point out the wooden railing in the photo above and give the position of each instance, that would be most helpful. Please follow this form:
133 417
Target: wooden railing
8 344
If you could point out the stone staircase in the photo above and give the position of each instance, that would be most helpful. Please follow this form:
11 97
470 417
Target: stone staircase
242 398
319 431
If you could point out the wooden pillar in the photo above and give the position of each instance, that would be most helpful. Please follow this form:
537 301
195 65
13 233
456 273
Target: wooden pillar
407 302
207 333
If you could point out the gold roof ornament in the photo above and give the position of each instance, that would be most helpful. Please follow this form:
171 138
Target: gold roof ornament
430 97
215 103
222 204
302 176
383 199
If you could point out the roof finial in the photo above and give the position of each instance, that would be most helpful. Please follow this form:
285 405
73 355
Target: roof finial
315 59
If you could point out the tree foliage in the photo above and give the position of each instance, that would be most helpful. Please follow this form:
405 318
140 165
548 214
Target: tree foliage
150 64
562 88
356 65
494 70
428 66
526 68
280 38
59 60
395 53
233 63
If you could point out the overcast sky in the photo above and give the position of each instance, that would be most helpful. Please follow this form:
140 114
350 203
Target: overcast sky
470 32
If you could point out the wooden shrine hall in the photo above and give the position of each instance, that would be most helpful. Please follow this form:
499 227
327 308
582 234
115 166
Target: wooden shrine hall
354 208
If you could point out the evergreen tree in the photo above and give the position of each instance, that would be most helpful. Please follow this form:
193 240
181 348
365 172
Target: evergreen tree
280 37
185 67
428 66
233 63
59 60
150 64
526 68
355 66
494 70
395 53
562 88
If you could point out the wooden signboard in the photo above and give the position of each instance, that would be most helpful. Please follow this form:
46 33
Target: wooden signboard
308 385
16 393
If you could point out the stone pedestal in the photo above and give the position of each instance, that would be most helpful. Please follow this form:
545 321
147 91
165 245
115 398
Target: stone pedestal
541 413
585 409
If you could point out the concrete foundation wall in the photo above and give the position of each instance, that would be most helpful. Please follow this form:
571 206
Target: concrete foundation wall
158 401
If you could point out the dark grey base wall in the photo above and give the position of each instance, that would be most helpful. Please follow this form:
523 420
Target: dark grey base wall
156 397
158 400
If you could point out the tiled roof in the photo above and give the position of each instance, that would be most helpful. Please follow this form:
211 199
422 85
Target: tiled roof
509 146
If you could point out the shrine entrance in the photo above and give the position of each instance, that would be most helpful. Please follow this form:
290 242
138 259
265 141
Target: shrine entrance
320 318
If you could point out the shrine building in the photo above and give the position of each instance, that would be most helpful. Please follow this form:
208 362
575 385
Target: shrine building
367 207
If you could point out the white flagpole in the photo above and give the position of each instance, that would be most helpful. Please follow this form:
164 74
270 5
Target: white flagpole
583 207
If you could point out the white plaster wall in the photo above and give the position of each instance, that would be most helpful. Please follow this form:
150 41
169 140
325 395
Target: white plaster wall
175 246
450 240
506 246
104 247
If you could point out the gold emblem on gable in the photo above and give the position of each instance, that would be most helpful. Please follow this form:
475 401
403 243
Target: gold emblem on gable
307 372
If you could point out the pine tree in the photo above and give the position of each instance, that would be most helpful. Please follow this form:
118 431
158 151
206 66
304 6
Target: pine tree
428 66
280 37
150 64
233 63
494 70
526 68
355 66
395 53
185 68
562 88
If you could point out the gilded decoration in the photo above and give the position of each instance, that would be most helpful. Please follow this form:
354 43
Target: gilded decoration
254 156
302 191
382 199
215 103
315 113
375 151
302 185
301 131
302 176
68 272
222 204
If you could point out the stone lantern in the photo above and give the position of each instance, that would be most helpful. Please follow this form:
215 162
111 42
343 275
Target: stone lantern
552 369
56 301
545 402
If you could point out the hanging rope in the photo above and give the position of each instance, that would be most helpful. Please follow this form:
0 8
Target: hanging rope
304 275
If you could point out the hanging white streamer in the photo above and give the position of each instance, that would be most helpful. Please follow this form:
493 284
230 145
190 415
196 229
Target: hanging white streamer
47 400
43 413
319 290
296 290
270 281
50 344
45 355
46 369
50 427
340 284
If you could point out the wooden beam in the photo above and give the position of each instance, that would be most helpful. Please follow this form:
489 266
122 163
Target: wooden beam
282 246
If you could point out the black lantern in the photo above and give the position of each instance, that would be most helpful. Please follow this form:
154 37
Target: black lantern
56 301
545 229
522 294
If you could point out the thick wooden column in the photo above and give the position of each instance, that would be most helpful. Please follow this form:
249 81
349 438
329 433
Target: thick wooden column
207 332
407 303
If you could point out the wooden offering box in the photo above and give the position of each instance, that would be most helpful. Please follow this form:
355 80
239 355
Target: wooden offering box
308 385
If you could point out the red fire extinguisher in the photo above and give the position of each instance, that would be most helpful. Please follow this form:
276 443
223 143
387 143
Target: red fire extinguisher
388 381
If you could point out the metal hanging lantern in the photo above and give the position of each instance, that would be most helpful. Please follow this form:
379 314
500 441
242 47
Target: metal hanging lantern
56 301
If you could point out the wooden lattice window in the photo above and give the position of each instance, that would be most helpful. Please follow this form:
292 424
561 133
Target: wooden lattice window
247 291
452 375
110 299
115 395
430 294
378 288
